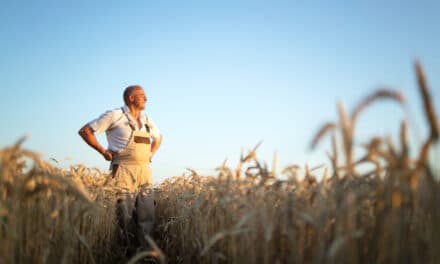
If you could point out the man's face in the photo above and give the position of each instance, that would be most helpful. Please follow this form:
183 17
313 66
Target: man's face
138 98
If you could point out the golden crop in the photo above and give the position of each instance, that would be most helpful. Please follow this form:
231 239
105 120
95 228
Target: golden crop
247 214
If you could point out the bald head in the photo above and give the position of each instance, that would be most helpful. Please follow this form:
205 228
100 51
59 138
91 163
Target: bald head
129 91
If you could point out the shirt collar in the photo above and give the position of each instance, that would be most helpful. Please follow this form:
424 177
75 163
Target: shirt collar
125 109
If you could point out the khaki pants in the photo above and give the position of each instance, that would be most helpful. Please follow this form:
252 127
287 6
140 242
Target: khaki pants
135 202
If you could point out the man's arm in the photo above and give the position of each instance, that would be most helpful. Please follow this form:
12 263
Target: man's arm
86 132
156 144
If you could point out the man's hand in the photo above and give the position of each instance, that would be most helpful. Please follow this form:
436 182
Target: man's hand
108 155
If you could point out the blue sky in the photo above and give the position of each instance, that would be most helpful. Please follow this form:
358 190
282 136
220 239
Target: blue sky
220 75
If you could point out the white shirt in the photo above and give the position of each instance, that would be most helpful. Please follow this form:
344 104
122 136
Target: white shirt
116 125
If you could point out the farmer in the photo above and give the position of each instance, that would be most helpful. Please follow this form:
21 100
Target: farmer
133 139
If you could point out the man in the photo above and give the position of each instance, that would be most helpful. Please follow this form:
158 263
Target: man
133 139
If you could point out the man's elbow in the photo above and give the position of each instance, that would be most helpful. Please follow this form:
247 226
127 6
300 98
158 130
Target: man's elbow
159 141
81 132
156 143
84 131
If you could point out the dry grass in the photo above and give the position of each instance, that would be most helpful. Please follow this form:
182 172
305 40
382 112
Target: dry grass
247 215
47 215
390 214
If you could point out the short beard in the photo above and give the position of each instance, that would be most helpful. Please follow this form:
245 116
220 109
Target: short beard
139 106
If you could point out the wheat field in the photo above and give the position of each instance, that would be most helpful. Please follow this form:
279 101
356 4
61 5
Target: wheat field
247 214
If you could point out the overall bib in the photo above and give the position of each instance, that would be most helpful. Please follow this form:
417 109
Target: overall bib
133 178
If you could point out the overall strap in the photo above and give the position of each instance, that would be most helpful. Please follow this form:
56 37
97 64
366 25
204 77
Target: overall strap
147 127
146 124
133 128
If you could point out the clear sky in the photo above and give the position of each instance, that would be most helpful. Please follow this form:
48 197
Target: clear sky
220 75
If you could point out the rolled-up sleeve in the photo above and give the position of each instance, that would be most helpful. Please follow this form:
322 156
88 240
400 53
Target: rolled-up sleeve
103 122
